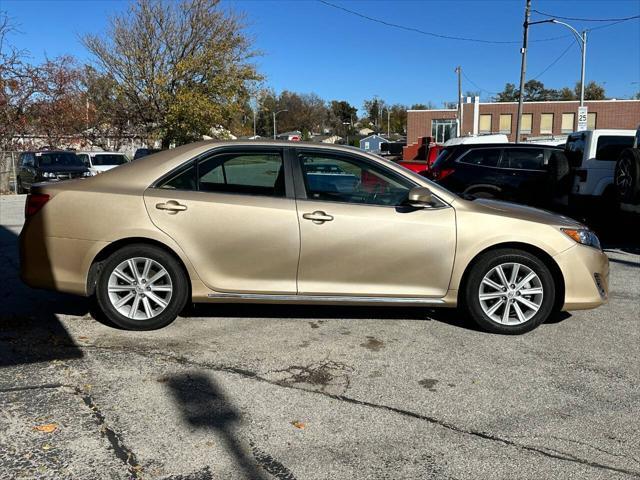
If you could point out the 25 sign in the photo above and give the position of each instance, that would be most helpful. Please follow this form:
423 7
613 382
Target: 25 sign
582 118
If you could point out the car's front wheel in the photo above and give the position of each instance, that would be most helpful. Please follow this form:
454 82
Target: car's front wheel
509 291
141 287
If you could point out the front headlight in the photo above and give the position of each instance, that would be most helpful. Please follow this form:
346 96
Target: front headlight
48 175
583 236
88 174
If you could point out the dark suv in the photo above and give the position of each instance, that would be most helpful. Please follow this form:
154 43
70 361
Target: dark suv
523 173
48 166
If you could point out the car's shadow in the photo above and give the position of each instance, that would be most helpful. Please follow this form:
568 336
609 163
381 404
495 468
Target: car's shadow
30 331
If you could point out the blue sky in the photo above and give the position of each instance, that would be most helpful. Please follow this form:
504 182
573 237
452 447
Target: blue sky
311 47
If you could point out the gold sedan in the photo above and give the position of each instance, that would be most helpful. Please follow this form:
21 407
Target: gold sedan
300 223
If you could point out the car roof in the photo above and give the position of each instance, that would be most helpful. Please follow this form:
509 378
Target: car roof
146 170
49 151
470 146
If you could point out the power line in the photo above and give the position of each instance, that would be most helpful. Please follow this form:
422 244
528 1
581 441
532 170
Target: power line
554 62
476 85
430 34
607 25
617 20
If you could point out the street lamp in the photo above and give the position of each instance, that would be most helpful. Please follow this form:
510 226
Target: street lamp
582 39
274 121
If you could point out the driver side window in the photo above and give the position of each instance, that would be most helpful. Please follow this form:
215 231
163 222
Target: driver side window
345 179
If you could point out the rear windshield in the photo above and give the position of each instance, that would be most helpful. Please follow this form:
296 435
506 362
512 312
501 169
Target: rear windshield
101 160
610 146
443 156
574 149
58 159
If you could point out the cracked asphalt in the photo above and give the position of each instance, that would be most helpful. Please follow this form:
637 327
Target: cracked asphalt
275 392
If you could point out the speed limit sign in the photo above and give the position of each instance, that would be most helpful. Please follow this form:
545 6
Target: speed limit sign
582 118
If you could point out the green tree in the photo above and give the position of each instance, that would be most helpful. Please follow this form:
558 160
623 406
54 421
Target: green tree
183 66
373 109
509 94
592 91
423 106
341 117
566 94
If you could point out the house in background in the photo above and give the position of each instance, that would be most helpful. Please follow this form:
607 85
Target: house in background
372 143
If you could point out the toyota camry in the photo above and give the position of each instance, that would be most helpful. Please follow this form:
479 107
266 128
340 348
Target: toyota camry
299 223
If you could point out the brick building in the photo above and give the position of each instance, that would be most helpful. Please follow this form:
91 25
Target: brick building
538 119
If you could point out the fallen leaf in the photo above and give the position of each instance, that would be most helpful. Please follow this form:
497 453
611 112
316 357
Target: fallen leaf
46 446
298 425
46 428
83 338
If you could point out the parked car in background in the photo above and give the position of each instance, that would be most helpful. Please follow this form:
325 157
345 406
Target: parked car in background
627 177
420 155
99 162
592 156
530 174
244 222
477 139
143 152
48 166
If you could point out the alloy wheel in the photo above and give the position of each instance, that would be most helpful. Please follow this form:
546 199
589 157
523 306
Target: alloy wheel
140 288
511 293
623 176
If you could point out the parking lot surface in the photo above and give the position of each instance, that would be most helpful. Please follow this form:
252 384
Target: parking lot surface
307 392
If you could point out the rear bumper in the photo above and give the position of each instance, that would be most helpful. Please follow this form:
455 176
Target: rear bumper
586 276
55 263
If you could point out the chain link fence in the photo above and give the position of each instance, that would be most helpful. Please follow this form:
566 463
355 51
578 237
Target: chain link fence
8 168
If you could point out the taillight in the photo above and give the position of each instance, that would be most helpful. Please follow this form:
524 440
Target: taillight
35 202
441 173
582 175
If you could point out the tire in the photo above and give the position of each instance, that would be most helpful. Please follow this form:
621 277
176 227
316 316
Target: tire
541 290
161 292
627 176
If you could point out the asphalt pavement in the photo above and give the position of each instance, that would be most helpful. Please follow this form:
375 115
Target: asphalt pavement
307 392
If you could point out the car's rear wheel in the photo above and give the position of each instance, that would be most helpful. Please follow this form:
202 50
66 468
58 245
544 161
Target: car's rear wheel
141 287
509 291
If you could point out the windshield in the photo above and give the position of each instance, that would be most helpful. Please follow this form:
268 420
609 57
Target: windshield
58 159
102 159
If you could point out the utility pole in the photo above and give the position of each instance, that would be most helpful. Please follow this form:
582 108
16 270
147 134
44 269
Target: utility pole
274 121
459 72
254 123
523 68
388 122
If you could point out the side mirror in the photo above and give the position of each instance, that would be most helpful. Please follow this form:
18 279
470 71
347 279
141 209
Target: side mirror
420 197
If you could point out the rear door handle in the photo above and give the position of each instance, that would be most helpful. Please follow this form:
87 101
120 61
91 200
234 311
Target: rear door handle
172 207
317 217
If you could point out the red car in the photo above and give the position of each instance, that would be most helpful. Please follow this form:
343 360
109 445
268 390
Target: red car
420 158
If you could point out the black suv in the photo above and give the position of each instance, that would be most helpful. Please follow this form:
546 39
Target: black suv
524 173
48 166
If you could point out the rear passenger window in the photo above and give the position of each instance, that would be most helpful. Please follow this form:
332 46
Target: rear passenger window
485 157
610 146
523 158
247 173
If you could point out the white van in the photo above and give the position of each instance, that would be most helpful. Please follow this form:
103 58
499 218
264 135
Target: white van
592 155
98 162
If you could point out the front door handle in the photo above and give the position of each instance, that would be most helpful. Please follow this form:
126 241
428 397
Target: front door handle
172 207
317 217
